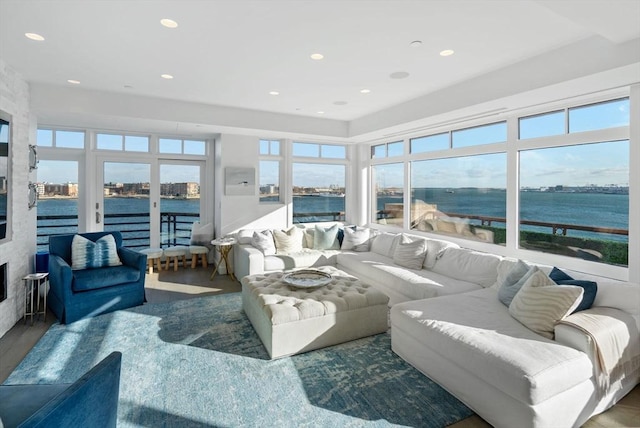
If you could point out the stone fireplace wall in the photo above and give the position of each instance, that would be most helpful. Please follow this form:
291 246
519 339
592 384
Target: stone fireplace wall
18 252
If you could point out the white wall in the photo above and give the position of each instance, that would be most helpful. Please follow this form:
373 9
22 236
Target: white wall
238 212
19 251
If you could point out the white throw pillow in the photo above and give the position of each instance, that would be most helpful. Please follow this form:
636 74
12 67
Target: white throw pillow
541 303
356 240
385 243
410 254
288 241
263 241
202 234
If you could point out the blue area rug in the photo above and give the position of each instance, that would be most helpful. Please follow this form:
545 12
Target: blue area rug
199 363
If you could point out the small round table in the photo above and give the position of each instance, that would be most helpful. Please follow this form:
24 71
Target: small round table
224 246
37 285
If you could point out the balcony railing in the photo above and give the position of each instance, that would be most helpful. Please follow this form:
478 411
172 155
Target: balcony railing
175 228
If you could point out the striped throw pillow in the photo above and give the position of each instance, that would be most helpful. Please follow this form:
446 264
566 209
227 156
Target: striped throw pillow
86 254
540 303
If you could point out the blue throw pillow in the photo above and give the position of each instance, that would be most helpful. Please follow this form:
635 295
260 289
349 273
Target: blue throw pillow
86 254
590 287
520 273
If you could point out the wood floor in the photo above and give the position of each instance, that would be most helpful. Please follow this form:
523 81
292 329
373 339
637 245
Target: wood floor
188 283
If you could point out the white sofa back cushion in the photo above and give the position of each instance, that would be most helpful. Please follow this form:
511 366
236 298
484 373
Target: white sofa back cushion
434 247
410 254
385 244
244 236
473 266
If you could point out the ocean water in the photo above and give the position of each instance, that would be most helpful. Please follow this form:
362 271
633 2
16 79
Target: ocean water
586 209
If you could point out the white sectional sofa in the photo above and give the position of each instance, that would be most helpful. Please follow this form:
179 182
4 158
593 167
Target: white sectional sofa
447 320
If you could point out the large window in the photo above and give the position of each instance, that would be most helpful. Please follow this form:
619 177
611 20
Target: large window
318 187
388 194
462 196
574 201
318 192
566 170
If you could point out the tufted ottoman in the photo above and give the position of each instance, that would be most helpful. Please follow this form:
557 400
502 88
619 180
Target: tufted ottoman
290 321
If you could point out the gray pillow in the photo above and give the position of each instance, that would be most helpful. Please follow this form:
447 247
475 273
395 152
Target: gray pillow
514 281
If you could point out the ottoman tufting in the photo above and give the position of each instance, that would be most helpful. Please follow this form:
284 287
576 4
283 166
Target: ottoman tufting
290 320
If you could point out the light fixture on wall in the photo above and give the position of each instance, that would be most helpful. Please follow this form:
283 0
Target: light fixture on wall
33 158
33 195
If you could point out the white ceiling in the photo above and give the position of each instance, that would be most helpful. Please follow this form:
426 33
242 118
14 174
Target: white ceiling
231 54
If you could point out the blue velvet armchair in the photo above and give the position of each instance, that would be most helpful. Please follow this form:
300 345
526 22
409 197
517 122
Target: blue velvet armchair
91 401
76 294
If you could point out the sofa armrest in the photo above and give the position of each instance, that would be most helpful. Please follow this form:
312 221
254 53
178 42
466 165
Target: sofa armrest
133 259
248 260
60 277
577 339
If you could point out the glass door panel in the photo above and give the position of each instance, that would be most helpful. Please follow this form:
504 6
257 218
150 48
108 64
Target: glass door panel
57 188
126 208
179 201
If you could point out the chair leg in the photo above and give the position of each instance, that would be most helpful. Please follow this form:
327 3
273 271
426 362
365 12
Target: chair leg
159 264
204 260
150 265
184 260
175 263
194 260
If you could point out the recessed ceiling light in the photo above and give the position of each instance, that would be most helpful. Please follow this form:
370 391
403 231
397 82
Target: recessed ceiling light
128 86
34 36
166 76
416 43
365 91
340 103
74 82
446 52
321 112
169 23
274 93
399 75
317 56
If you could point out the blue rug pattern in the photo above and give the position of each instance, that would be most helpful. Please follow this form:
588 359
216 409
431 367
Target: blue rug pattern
199 363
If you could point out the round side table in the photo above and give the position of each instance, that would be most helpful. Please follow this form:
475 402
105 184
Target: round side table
224 246
37 285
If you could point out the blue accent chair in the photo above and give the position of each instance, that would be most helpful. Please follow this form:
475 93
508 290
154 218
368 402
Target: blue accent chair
77 294
91 401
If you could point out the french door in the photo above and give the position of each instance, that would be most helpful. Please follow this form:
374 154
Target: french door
153 203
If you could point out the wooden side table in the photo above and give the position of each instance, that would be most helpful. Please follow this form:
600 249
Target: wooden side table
224 246
36 284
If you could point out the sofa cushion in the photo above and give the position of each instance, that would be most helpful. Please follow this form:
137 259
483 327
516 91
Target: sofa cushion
541 303
356 240
244 236
300 259
410 254
475 331
91 279
513 282
385 243
87 254
434 247
460 263
326 238
264 242
414 284
590 287
288 241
